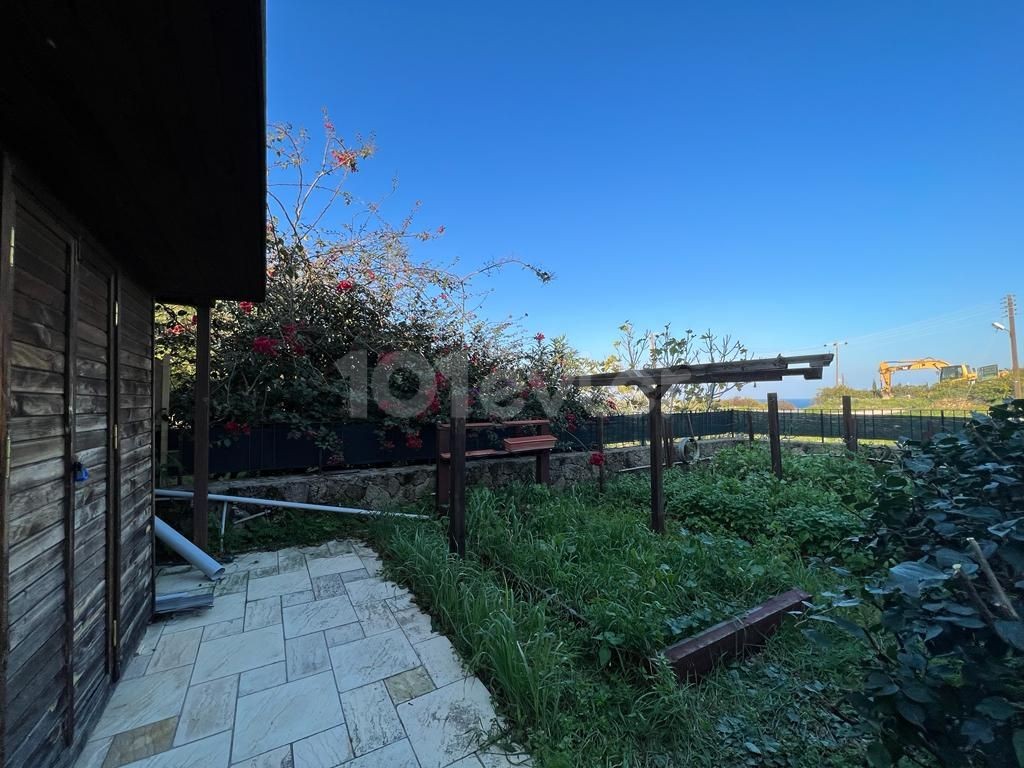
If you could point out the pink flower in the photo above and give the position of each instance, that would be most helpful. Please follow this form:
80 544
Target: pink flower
264 345
596 459
344 286
176 330
413 441
246 306
440 230
539 337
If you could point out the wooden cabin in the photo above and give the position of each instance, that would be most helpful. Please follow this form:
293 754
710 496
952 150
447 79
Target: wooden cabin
133 169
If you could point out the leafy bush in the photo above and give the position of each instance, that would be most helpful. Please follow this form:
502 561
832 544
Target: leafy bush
814 509
947 674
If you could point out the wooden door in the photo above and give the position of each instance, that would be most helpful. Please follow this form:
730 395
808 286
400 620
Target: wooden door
63 525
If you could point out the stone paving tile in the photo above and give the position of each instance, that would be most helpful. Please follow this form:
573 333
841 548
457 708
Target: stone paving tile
177 649
238 653
223 629
264 572
212 752
297 598
296 710
146 740
339 547
150 638
371 718
447 724
496 756
321 566
290 560
94 753
275 758
376 618
251 560
189 580
144 700
466 762
322 550
401 602
374 658
262 613
209 708
306 655
232 584
408 685
224 608
416 624
136 667
323 750
282 584
317 616
371 564
343 634
262 678
356 575
441 660
328 585
372 590
397 755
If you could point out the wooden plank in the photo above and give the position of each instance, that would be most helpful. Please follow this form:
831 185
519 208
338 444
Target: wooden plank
114 554
33 451
693 658
31 595
37 335
36 382
32 524
32 475
48 610
457 484
32 404
7 243
849 425
34 546
201 433
774 438
656 423
28 356
34 311
28 500
29 427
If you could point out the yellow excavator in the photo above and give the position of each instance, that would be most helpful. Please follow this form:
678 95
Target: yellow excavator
947 371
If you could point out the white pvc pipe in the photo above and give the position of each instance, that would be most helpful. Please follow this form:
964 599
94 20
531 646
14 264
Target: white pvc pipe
188 550
287 504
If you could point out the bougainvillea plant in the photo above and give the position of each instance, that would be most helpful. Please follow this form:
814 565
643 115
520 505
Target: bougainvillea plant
344 285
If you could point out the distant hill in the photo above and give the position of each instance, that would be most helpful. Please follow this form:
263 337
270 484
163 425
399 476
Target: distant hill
947 395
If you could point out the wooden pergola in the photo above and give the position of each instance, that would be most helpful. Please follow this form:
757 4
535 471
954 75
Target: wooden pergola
655 382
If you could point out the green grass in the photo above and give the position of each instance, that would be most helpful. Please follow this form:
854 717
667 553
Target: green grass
565 599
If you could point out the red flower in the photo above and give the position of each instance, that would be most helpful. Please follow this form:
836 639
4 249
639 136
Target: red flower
264 345
539 337
246 306
344 286
440 230
413 441
596 459
611 404
231 426
176 330
195 319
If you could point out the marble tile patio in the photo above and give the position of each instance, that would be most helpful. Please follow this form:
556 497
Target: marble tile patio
308 659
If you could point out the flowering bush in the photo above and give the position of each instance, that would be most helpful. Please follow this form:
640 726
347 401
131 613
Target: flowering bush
346 304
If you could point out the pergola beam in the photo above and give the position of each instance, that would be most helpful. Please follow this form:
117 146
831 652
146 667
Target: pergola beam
653 382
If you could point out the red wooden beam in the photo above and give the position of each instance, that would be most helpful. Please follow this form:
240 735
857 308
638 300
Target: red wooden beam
694 657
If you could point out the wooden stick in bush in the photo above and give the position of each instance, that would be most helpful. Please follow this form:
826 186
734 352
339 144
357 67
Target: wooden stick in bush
1004 603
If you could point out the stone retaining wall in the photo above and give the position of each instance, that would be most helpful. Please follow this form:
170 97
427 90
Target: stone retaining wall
383 487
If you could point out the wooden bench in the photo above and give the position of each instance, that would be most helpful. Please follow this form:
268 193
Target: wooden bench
524 445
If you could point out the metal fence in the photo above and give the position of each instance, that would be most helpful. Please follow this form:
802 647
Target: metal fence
275 448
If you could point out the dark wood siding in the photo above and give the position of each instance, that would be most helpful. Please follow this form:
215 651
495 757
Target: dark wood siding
77 553
135 414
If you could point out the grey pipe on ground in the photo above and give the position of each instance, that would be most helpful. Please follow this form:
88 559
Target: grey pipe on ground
188 550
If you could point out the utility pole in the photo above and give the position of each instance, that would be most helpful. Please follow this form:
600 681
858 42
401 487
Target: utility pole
1011 318
835 353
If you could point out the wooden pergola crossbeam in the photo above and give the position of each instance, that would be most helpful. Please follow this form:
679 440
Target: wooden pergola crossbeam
654 382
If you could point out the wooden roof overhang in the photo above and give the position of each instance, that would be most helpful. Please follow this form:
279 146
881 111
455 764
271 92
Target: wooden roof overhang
148 121
654 382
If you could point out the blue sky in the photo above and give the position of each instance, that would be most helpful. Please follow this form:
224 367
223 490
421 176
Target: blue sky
790 173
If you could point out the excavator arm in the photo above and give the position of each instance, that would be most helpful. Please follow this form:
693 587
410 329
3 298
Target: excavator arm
887 368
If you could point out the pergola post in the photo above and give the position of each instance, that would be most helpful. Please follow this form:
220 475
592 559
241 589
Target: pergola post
201 432
600 448
774 442
457 483
657 466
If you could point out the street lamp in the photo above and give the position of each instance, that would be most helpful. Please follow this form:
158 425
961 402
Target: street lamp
1015 370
